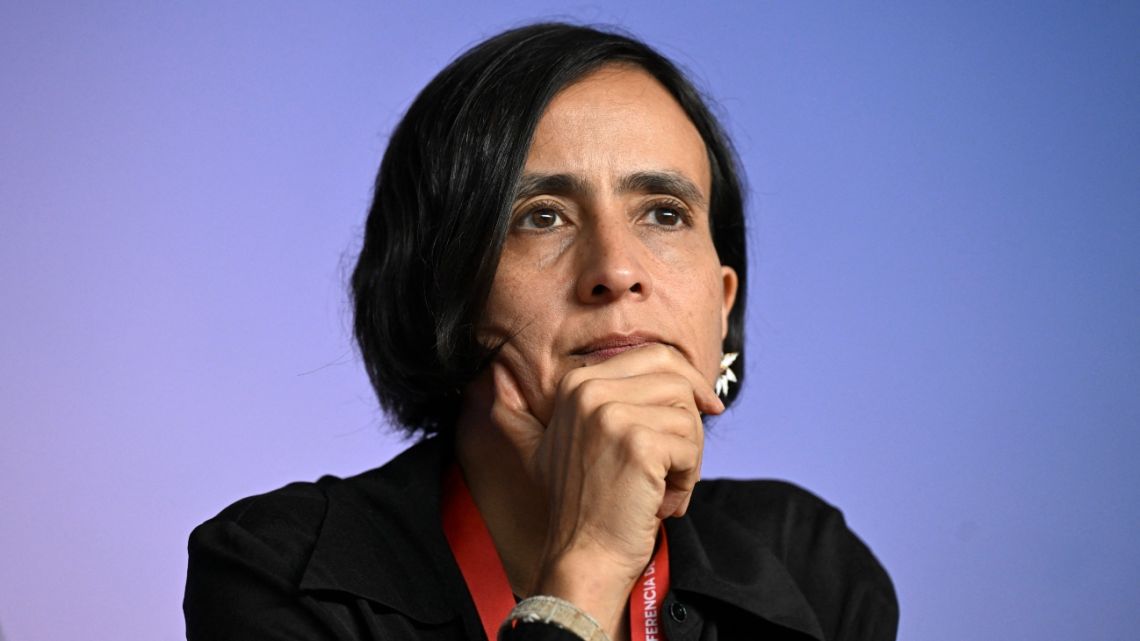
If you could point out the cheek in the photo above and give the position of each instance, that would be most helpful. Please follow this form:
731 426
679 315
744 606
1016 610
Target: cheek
507 303
709 339
696 305
520 318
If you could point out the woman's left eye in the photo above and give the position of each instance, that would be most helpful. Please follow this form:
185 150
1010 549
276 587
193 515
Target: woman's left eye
667 215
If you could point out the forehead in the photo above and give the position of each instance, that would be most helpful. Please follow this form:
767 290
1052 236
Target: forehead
616 121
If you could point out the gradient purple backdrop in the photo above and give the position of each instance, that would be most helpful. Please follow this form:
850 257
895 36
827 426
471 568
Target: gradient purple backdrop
944 320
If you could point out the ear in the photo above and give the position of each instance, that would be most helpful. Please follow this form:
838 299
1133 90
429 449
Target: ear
730 282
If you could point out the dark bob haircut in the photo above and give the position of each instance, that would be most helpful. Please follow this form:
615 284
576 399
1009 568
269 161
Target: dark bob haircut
445 190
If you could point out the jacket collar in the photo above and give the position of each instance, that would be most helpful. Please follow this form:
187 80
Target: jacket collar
382 540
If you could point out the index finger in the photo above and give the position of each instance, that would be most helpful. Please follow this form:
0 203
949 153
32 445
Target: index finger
653 358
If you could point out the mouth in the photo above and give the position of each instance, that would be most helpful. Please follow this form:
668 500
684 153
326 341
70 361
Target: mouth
611 345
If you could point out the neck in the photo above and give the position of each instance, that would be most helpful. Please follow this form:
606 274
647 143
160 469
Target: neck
510 504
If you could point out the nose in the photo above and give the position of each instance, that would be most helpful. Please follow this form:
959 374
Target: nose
612 265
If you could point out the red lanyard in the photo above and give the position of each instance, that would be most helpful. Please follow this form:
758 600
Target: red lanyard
487 581
475 552
648 594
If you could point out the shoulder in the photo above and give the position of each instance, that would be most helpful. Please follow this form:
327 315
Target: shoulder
289 520
779 512
279 527
836 571
272 561
760 499
249 560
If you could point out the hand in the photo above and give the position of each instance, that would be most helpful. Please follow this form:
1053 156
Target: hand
621 452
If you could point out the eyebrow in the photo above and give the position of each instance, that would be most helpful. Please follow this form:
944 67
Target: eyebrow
653 182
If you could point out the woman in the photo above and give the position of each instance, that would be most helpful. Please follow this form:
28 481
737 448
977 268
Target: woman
551 293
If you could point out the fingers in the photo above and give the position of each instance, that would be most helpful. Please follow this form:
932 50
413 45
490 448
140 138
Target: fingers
675 421
622 447
681 457
651 359
666 389
648 401
668 453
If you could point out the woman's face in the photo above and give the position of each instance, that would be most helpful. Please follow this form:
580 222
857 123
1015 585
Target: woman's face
609 245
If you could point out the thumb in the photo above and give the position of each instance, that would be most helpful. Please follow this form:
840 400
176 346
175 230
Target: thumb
510 408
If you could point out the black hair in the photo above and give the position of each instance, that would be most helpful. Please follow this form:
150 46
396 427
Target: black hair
444 193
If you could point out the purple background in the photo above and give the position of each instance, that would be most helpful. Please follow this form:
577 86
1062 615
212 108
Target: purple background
944 313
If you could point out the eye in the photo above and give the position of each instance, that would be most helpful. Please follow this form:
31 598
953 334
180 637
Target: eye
667 214
541 216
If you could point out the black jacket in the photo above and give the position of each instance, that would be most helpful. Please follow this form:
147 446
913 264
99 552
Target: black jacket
365 558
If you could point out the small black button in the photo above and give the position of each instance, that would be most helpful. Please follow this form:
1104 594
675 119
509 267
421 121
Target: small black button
678 612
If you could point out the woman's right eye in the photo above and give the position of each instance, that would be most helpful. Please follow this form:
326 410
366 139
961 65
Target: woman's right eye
540 218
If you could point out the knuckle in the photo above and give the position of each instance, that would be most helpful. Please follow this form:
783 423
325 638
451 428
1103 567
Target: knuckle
679 387
638 442
569 383
695 424
693 452
609 414
589 393
610 432
683 421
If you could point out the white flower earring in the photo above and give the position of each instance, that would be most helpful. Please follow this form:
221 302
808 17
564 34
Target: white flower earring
726 374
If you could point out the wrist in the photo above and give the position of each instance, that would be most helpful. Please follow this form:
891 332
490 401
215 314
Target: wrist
592 582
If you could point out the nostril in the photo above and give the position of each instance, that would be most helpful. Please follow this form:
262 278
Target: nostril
599 290
636 289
